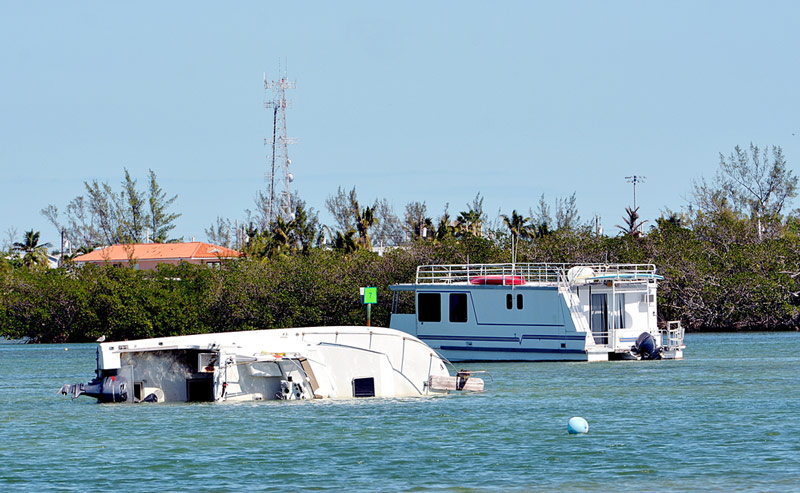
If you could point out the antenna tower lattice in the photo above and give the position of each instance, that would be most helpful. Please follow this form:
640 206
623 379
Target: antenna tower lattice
279 177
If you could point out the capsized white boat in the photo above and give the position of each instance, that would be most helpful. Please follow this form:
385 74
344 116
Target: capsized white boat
280 364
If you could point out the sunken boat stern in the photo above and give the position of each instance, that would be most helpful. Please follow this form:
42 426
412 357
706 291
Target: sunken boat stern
195 375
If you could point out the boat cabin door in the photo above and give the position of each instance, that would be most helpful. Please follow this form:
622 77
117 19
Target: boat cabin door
599 318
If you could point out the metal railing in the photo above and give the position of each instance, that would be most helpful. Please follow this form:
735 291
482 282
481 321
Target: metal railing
600 339
539 273
672 335
573 302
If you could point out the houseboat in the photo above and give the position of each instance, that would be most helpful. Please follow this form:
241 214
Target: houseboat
280 364
536 312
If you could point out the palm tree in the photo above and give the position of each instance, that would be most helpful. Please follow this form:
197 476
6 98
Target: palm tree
80 251
470 222
541 230
345 242
445 229
33 252
632 224
364 219
280 237
289 237
423 229
303 229
517 225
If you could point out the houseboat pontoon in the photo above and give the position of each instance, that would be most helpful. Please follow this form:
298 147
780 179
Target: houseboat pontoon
535 312
281 364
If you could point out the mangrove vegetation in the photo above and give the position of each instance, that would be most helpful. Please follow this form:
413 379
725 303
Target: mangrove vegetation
730 259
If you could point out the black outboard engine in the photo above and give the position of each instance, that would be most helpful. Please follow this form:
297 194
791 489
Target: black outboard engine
106 388
647 347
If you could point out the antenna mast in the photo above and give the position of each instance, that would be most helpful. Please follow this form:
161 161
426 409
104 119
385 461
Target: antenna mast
635 179
279 177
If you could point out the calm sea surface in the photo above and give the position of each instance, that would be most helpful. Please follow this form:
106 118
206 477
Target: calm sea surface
725 418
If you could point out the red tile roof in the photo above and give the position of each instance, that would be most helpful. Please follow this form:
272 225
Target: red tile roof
158 251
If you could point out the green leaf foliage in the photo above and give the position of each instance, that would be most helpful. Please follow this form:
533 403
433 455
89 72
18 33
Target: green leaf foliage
717 275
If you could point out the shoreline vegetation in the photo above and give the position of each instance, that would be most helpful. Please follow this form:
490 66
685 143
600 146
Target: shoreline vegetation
709 284
730 260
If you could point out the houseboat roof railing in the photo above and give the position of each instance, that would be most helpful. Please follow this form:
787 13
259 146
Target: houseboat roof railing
548 273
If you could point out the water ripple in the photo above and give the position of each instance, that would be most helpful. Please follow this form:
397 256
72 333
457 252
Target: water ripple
717 420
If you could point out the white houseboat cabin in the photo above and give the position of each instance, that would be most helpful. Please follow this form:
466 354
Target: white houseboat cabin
536 312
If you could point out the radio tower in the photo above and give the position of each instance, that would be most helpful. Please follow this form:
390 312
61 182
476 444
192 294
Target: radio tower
279 176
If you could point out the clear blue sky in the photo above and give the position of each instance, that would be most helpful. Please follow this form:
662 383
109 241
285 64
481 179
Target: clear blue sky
427 101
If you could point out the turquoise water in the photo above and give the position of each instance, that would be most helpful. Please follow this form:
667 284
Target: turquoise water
725 418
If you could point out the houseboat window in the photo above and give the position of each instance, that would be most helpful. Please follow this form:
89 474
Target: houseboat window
429 307
519 302
403 302
509 301
621 306
458 307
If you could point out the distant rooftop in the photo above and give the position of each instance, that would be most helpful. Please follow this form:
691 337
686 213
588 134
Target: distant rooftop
196 250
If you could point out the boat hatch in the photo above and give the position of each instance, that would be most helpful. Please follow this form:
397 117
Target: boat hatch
364 387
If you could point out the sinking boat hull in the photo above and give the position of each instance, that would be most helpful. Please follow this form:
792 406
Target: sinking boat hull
284 364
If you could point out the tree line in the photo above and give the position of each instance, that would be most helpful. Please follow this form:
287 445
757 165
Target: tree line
731 260
104 217
717 275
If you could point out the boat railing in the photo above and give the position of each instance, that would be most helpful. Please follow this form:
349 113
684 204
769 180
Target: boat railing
672 335
573 302
540 273
601 339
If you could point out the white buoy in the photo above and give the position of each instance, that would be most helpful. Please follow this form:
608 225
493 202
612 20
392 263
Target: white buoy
577 425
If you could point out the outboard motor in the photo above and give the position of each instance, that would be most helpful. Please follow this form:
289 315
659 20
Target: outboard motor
647 347
109 388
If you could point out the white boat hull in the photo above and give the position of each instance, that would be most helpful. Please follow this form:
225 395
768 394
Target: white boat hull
489 354
283 364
